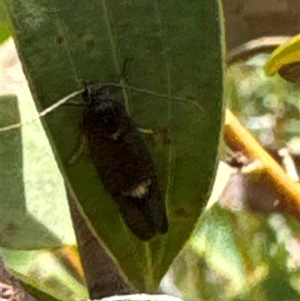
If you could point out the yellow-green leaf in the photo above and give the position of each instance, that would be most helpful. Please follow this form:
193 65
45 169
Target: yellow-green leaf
285 54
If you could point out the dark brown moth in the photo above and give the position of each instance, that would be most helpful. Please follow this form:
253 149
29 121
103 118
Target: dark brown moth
124 162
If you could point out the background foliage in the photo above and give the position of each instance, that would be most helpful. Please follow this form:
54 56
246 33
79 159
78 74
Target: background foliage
241 249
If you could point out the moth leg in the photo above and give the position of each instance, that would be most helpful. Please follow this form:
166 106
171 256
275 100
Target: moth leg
79 151
146 131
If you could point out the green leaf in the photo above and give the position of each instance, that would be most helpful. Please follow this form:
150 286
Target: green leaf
285 54
175 48
216 242
36 293
34 209
5 31
41 270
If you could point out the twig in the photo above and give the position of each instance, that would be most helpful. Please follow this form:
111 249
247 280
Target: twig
238 138
103 277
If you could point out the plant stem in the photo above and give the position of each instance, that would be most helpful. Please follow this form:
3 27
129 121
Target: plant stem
238 138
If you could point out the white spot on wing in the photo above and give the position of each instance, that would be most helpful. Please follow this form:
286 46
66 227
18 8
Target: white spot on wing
116 135
141 190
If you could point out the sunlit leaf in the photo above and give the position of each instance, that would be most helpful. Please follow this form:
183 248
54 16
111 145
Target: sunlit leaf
42 270
34 209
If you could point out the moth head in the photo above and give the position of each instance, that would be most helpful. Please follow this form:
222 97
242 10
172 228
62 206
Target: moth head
94 92
105 112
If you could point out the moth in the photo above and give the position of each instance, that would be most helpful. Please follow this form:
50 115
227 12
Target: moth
124 162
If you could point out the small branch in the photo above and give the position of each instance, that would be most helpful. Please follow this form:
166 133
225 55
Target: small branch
238 138
103 277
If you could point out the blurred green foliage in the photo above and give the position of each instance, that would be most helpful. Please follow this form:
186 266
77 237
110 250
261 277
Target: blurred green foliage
236 254
5 31
268 106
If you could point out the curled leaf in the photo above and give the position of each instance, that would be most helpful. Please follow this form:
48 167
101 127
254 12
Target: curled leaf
285 54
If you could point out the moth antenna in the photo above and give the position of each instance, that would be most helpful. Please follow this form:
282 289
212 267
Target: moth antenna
150 92
117 85
74 104
43 113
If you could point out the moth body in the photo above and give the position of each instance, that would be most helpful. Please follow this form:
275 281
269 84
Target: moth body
124 163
